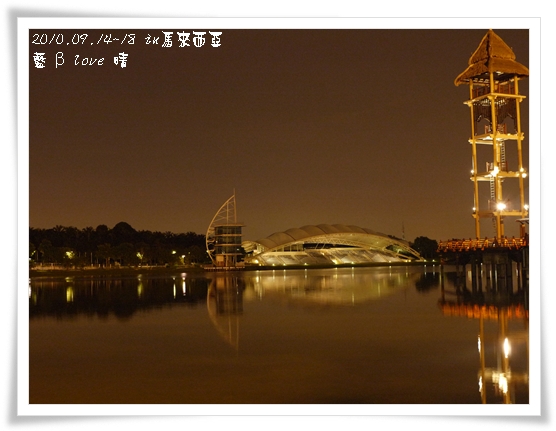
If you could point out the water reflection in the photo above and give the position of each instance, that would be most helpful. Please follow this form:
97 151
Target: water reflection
333 334
318 288
336 286
122 297
106 296
225 305
224 293
501 309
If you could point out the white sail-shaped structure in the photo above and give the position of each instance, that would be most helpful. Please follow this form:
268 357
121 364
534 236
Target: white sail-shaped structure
223 238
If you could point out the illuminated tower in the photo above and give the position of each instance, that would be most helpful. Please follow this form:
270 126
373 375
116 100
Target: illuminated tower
223 237
494 102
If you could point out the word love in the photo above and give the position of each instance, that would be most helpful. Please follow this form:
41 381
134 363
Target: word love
88 61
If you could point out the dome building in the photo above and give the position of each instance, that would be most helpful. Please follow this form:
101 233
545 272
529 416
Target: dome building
327 245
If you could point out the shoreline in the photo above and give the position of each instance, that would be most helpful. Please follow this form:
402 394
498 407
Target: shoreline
126 271
135 271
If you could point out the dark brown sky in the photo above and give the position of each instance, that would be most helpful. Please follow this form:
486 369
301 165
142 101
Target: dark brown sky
362 127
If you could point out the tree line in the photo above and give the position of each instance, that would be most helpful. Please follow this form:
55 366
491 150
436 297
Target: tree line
121 245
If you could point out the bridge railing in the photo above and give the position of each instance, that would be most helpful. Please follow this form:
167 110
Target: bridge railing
482 244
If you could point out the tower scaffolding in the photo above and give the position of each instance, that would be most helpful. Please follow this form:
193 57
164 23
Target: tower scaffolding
494 100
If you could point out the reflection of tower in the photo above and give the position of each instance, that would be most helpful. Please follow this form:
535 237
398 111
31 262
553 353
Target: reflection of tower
223 237
494 101
502 376
499 309
225 305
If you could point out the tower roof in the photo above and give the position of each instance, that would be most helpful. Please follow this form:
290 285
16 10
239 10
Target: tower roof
492 55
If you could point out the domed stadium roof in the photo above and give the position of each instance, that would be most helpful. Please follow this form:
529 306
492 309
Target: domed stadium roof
327 244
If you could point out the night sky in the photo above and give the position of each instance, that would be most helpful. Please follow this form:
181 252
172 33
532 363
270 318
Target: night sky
358 127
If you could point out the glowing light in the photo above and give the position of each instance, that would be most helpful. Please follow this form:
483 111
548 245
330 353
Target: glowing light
479 343
69 294
506 348
526 207
495 171
500 206
503 383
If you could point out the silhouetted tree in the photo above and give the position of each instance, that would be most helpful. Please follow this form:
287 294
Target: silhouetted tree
104 252
426 247
101 234
125 254
122 232
46 251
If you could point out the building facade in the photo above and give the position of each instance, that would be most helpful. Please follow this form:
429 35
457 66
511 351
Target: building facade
327 245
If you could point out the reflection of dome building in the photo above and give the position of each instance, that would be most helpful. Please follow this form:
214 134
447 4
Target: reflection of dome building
327 245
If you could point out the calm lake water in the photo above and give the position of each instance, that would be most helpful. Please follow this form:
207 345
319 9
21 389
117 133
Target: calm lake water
340 336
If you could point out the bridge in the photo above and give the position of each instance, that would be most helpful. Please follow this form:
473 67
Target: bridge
499 244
